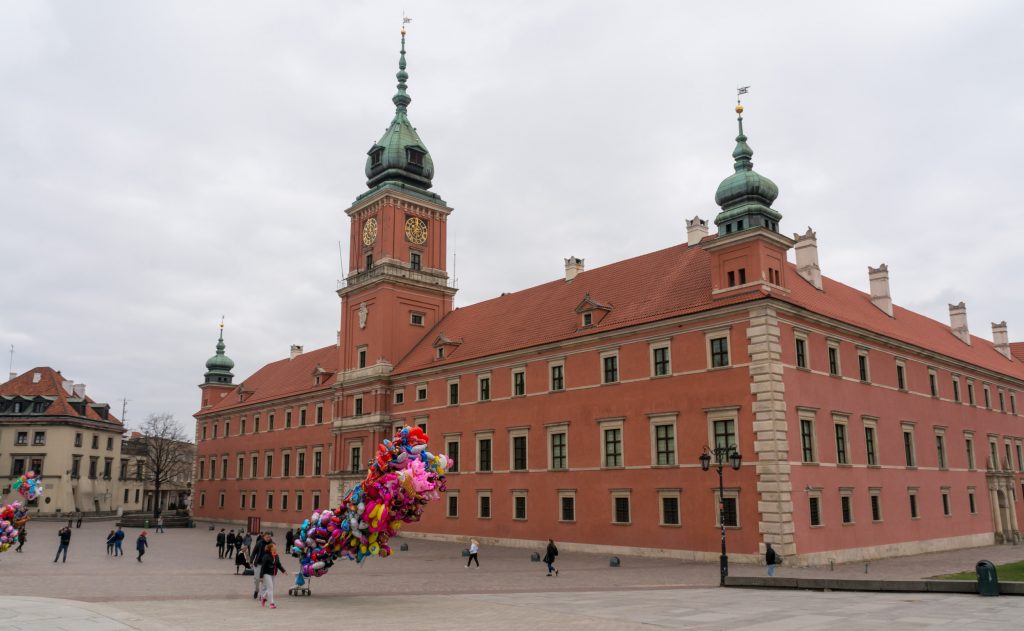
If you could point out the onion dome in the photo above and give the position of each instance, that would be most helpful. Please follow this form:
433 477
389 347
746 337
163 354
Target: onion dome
218 367
400 156
745 196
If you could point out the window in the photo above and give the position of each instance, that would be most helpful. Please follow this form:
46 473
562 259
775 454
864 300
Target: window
415 319
557 377
300 464
945 502
1020 458
317 462
415 261
559 450
588 319
355 458
815 509
269 468
862 366
660 356
284 501
833 359
901 375
287 419
1013 403
613 447
940 450
519 507
620 509
610 368
913 504
453 393
399 397
78 437
484 384
518 383
110 443
240 473
375 156
96 438
665 444
841 450
242 429
76 465
993 455
252 501
357 406
567 507
669 508
845 503
270 422
801 352
316 500
519 453
93 464
969 445
39 438
970 392
253 465
970 501
256 424
224 468
908 446
807 440
727 510
988 397
270 501
302 417
202 499
1002 401
719 352
319 413
869 444
484 505
415 157
421 392
286 464
453 504
724 433
21 438
298 500
956 388
361 358
452 451
876 505
483 449
369 260
440 352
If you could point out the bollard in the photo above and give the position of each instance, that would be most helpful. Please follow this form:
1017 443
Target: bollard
535 557
614 562
404 547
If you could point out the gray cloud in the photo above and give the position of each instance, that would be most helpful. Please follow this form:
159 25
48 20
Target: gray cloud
164 163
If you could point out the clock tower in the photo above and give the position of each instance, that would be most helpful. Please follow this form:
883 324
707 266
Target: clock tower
397 288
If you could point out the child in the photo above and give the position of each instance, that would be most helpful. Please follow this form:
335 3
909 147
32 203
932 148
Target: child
241 559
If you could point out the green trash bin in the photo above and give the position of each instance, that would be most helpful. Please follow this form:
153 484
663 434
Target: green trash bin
988 582
147 524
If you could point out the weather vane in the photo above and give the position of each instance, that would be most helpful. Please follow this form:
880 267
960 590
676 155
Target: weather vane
405 20
740 91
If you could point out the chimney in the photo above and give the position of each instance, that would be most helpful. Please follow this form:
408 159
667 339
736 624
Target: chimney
806 248
339 338
12 375
79 390
296 351
573 266
958 322
68 386
696 229
879 279
1001 339
36 377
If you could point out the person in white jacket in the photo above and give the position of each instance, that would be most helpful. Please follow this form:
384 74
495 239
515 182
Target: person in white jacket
474 551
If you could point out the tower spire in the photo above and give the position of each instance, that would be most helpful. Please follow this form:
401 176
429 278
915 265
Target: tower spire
401 98
218 367
742 153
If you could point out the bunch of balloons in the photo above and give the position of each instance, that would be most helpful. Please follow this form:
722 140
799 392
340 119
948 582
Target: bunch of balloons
29 485
401 480
12 517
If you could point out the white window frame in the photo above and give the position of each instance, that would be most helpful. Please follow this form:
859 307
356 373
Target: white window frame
516 494
815 494
730 493
479 386
728 413
972 459
610 424
933 382
398 397
872 422
448 392
613 354
571 493
363 354
943 463
422 388
484 435
656 346
801 336
842 419
447 504
675 494
620 493
513 433
834 345
481 493
560 363
357 408
457 439
957 393
865 353
947 501
349 446
810 416
558 428
913 506
847 492
972 494
876 491
714 335
512 375
661 420
906 427
901 364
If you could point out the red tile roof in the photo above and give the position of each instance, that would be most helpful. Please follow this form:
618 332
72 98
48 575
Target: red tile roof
663 284
50 384
1017 350
282 378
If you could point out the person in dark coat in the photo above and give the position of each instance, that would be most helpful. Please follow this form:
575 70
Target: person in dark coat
257 559
549 557
140 545
110 543
118 542
289 538
22 537
221 540
770 559
229 552
65 541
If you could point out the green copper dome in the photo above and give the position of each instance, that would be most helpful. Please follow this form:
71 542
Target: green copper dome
746 196
400 156
218 367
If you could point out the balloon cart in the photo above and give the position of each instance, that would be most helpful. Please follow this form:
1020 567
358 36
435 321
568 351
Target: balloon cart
302 590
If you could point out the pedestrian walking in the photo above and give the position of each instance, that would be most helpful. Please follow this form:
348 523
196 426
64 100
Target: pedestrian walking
160 524
268 570
78 524
770 559
289 539
474 551
247 541
118 542
229 552
221 540
22 536
110 543
65 541
549 557
257 560
140 545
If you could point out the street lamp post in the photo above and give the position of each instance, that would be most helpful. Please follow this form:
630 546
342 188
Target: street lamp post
721 455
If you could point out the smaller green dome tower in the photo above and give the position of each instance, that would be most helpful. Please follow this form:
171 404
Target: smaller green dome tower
400 157
746 196
218 367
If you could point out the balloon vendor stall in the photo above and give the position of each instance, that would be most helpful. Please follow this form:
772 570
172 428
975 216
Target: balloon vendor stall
12 518
29 485
401 480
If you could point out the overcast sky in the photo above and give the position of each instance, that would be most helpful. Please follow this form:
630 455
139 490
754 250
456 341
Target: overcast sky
164 163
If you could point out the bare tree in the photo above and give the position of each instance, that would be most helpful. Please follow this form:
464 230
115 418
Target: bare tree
168 453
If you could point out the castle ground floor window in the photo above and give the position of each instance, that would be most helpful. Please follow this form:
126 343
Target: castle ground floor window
484 505
730 508
620 507
669 505
567 506
453 505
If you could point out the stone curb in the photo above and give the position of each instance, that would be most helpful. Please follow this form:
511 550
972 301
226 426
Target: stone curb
823 584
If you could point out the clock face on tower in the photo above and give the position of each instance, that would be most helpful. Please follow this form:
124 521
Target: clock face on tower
416 230
370 231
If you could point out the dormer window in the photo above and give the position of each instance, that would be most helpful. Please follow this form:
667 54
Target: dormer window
376 157
440 352
415 157
588 319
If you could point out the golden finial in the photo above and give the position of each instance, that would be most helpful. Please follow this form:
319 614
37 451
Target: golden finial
222 323
740 91
739 108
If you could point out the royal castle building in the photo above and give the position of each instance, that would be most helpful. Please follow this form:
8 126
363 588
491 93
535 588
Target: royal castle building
578 409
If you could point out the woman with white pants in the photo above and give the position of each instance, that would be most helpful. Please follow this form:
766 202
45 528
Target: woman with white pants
268 569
